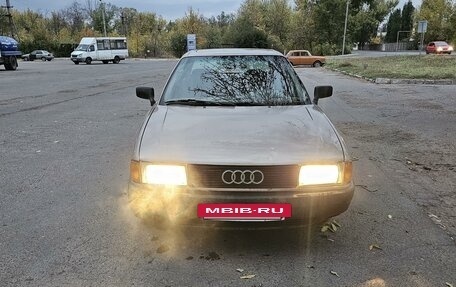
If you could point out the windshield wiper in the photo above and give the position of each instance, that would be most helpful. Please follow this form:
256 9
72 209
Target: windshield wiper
196 102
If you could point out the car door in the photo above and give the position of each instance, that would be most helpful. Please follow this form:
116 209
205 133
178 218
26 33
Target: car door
39 55
294 58
305 58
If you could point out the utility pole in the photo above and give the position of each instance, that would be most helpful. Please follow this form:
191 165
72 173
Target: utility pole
104 20
345 28
122 18
10 18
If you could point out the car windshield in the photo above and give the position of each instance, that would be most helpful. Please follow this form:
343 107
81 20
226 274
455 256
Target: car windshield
235 80
82 47
441 43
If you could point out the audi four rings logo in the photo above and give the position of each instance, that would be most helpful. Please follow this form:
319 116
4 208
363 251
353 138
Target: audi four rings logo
242 177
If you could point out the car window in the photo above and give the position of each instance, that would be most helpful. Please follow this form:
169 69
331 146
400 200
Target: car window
432 44
238 80
295 54
82 47
304 53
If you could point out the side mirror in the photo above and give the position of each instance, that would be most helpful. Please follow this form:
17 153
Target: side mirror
321 92
146 93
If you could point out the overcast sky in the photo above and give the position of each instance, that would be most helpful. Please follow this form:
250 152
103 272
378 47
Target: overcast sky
169 9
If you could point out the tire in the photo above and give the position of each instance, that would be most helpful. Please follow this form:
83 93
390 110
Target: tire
105 62
88 61
43 59
317 64
26 59
11 63
116 60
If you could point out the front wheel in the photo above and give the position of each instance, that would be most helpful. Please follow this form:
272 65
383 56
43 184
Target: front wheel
88 61
11 63
116 60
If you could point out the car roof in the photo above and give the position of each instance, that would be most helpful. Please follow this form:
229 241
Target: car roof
232 52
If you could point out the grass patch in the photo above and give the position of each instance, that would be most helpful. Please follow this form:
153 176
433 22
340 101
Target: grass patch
432 67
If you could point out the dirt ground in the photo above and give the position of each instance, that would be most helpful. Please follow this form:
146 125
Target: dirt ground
410 132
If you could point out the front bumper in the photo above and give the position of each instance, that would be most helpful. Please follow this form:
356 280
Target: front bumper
179 205
79 59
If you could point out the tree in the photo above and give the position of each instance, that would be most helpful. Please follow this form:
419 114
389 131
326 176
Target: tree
393 26
438 14
407 17
75 17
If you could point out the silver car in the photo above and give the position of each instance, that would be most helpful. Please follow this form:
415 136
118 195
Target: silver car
236 137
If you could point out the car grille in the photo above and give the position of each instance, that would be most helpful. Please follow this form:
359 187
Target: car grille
250 177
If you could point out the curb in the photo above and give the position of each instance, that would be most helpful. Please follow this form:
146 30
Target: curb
386 81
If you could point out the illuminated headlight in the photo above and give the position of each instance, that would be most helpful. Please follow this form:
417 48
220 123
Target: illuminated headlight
325 174
450 48
439 49
158 174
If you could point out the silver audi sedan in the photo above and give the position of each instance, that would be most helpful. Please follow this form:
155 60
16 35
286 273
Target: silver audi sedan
236 137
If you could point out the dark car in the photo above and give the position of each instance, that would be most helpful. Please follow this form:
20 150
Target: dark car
236 137
38 55
439 47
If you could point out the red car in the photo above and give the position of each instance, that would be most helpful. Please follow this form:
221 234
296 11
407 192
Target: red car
439 47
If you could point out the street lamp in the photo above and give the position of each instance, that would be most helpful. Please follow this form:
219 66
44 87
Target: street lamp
103 14
345 28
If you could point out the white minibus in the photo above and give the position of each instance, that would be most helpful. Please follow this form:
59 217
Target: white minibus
103 49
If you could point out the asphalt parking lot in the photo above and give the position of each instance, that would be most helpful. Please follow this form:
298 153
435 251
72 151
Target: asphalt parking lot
67 133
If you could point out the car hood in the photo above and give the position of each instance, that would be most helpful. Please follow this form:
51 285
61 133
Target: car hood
239 136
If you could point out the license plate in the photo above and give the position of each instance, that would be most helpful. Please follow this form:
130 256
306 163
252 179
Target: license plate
244 211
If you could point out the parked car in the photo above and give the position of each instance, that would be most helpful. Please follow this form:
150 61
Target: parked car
236 137
304 57
439 47
38 54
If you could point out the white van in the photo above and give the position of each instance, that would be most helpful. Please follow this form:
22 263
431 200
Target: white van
103 49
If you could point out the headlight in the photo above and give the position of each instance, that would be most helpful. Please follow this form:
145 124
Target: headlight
450 48
158 174
325 174
439 49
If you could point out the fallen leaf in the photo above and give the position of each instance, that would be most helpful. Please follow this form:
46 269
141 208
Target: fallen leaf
324 228
448 284
335 273
336 223
329 239
374 246
247 276
333 227
162 249
240 270
390 216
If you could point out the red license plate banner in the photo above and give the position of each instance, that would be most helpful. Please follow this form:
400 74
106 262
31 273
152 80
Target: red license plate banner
244 211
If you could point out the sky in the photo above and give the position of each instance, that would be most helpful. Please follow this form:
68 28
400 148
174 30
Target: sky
169 9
